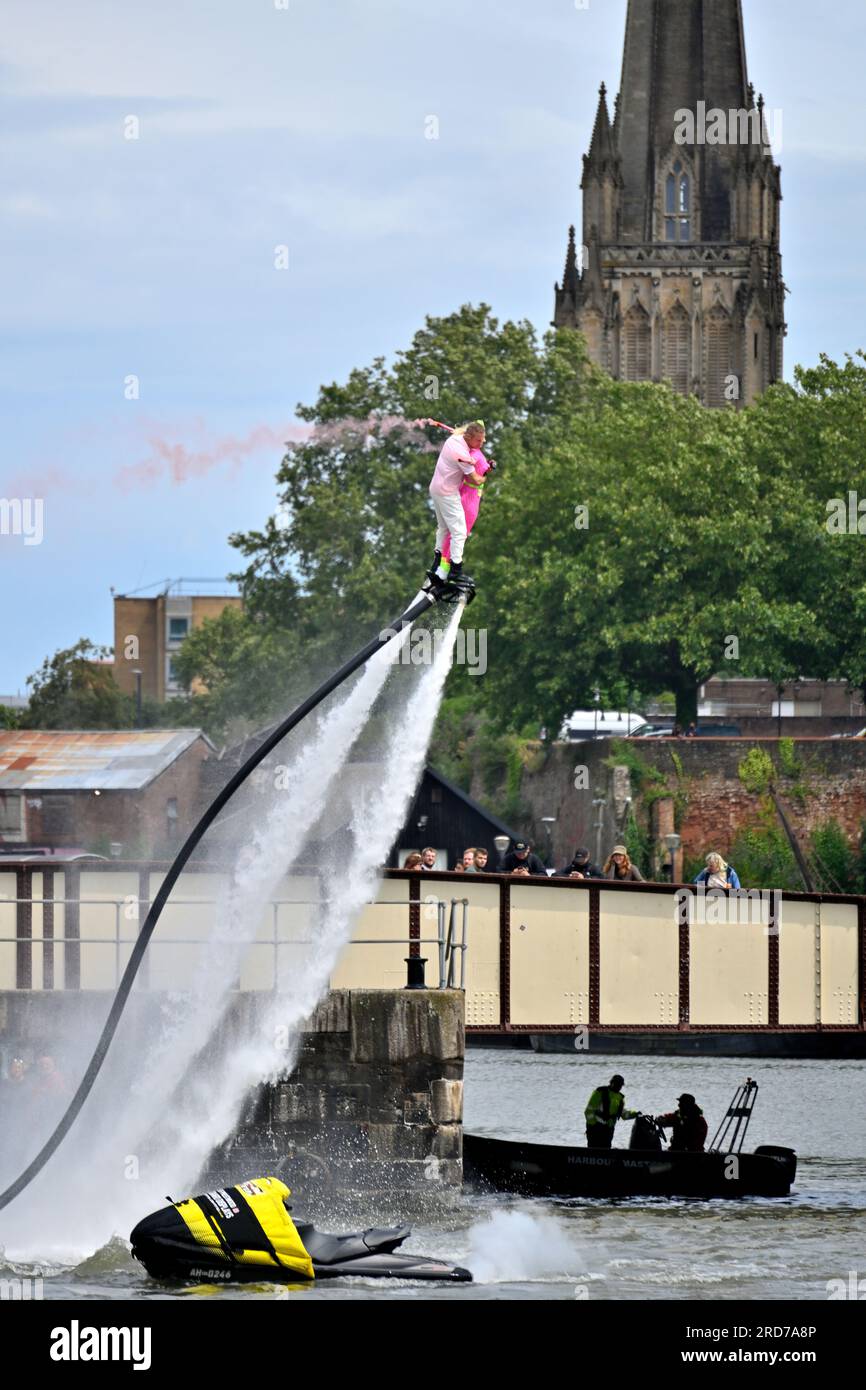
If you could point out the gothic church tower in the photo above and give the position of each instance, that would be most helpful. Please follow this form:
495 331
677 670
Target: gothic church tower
680 273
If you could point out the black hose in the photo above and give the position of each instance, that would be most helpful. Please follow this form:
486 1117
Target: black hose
404 620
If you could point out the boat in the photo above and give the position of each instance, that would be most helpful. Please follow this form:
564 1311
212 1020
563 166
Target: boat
245 1234
645 1169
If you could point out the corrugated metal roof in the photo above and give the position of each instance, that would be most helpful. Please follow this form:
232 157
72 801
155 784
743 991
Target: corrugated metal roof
87 760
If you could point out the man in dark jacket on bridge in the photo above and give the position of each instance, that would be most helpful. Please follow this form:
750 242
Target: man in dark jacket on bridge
688 1125
520 856
581 866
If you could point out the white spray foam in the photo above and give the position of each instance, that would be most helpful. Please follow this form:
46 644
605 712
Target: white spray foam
521 1246
219 1097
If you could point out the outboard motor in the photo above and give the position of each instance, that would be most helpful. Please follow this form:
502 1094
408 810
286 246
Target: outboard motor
646 1134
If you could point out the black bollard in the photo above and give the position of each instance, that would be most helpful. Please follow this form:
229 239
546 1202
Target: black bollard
415 972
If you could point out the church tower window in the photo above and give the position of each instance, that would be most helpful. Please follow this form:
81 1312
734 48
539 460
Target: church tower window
678 206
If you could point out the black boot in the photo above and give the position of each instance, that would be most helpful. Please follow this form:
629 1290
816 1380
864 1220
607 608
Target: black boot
458 579
437 560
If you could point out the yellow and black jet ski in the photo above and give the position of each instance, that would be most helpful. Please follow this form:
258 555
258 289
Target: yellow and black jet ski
245 1233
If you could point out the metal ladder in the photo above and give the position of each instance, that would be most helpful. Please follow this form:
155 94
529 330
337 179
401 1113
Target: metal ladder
735 1122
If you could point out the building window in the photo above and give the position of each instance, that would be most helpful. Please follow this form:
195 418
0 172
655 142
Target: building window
11 814
636 350
718 367
172 678
678 204
58 814
178 628
677 346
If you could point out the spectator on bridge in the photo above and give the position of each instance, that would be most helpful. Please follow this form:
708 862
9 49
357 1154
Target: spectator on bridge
718 874
48 1081
412 860
692 730
581 866
17 1081
619 866
521 856
677 730
458 867
469 860
428 857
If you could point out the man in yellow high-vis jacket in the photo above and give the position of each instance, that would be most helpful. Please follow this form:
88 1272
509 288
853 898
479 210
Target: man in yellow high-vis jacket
606 1105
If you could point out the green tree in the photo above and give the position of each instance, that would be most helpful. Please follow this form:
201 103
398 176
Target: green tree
74 689
10 718
250 670
660 581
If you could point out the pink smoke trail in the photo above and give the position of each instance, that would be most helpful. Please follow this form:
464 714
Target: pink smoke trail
179 463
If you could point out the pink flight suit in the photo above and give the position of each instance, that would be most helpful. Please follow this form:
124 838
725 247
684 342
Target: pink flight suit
470 497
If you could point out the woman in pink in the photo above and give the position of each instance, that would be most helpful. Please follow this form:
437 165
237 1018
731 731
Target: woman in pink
470 498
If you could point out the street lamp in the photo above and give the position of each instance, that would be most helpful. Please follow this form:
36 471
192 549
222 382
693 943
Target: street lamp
547 822
138 675
501 843
673 843
598 801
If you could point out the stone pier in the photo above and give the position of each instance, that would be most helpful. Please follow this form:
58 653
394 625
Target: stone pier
374 1104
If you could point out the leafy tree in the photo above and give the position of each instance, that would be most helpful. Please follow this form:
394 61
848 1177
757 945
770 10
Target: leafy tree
10 718
249 669
74 690
667 569
834 859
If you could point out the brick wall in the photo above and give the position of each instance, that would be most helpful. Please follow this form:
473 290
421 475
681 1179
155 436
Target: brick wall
716 803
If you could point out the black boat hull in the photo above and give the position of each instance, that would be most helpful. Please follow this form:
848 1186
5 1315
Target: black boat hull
554 1170
169 1262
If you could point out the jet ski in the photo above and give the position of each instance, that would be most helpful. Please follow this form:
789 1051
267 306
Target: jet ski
245 1233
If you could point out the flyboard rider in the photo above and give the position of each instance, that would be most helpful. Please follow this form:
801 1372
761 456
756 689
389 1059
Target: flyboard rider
455 490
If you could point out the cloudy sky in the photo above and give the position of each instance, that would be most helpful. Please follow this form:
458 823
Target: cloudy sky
302 123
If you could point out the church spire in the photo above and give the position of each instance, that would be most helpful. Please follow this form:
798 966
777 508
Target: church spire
571 276
602 154
677 53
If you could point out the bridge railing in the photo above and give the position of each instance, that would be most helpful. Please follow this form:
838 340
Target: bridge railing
558 955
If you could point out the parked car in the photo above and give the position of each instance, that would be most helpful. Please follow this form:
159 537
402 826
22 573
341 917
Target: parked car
653 731
589 723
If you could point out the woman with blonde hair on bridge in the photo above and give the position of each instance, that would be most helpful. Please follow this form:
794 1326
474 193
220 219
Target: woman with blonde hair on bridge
718 874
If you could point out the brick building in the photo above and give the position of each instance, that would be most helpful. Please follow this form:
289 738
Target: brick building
802 709
132 794
149 632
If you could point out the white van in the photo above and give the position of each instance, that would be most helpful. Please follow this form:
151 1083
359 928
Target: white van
591 723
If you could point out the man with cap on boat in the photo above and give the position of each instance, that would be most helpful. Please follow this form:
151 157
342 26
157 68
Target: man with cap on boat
688 1125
